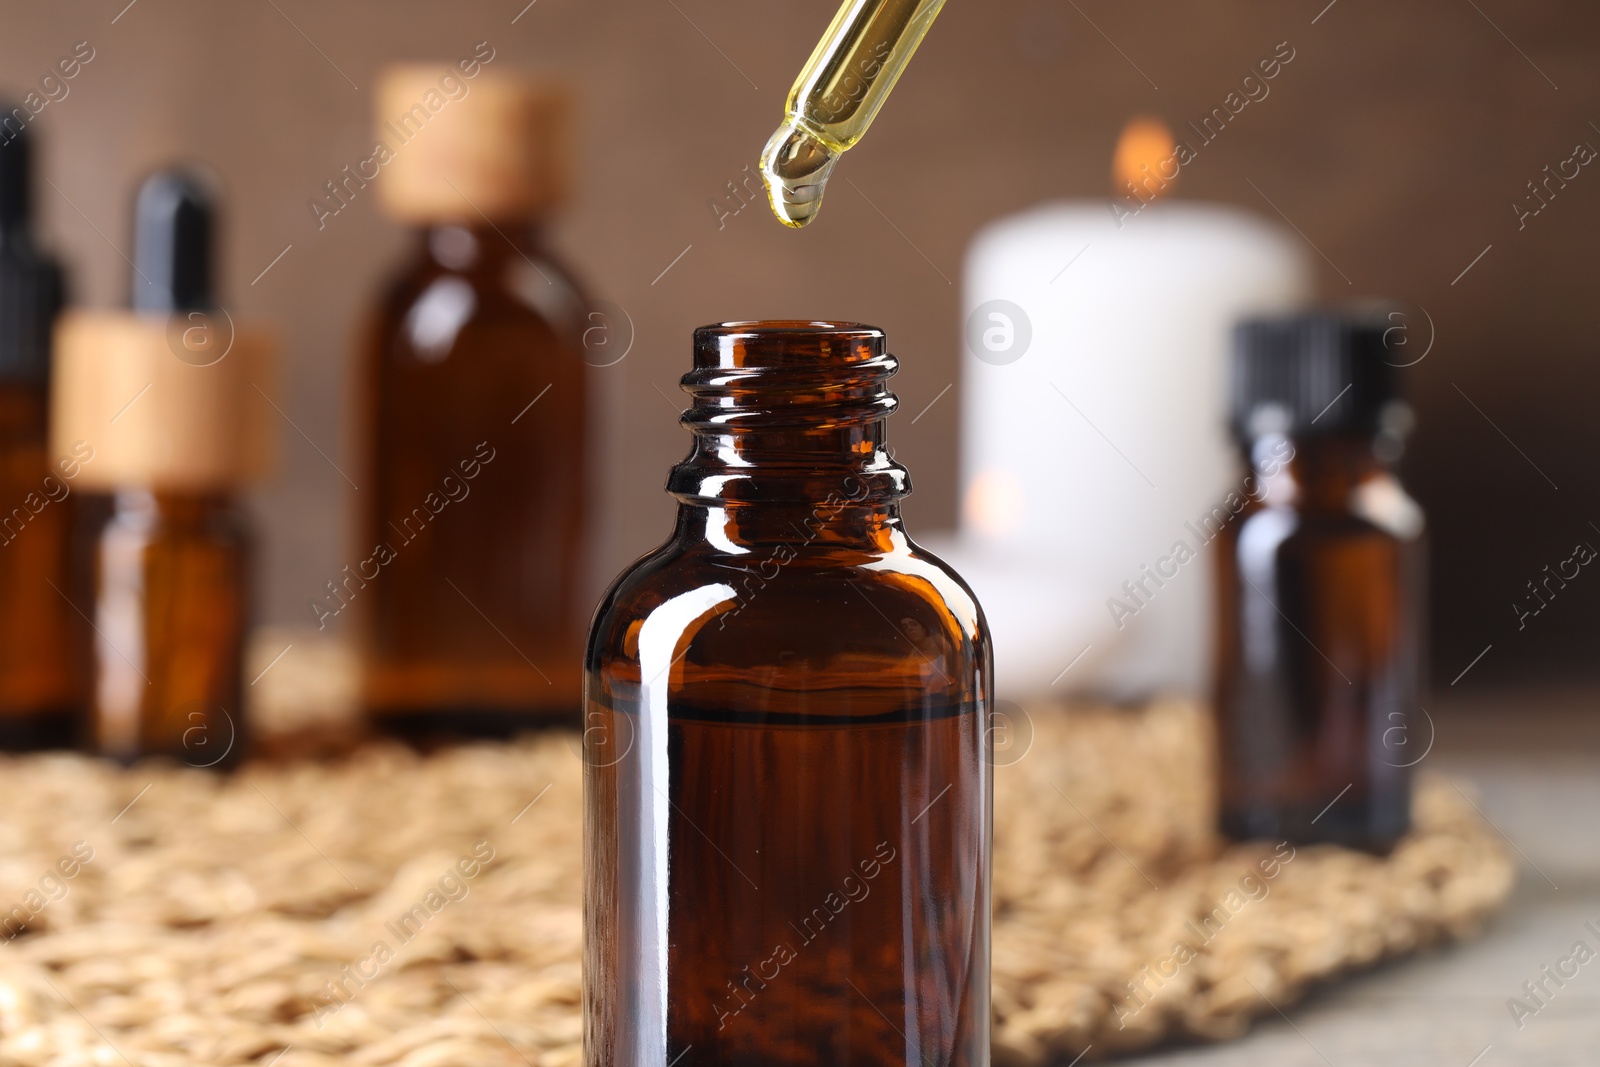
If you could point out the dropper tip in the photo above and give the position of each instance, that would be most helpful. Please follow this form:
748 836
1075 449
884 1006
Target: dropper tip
795 168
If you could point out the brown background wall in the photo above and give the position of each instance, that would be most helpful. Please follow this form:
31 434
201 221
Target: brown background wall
1396 141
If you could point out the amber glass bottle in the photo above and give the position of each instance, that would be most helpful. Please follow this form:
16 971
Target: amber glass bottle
472 386
1320 577
164 397
171 603
788 801
41 695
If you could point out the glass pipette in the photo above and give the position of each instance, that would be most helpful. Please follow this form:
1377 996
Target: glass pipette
844 83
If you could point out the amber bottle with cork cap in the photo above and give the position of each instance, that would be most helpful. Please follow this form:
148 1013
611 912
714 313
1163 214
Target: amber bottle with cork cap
787 789
1320 629
471 385
41 638
169 396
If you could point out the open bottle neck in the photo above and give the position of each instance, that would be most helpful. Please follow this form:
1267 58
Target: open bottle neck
789 421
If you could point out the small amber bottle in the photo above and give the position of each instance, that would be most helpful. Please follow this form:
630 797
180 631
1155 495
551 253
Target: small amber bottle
470 556
1320 573
166 398
41 637
787 795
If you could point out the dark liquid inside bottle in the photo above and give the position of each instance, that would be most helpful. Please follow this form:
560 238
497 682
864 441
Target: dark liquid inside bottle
788 800
823 869
171 607
1319 658
472 494
42 645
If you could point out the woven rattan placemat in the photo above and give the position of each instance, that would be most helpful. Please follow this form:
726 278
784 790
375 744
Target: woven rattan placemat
394 909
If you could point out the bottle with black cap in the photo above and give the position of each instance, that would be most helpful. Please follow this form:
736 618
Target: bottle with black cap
1320 574
166 396
41 638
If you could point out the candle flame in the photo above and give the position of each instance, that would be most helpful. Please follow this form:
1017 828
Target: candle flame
1144 165
994 503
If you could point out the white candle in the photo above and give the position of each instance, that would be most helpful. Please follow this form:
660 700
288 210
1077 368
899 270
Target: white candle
1093 430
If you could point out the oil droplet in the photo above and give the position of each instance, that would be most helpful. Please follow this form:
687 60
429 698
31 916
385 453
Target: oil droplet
795 168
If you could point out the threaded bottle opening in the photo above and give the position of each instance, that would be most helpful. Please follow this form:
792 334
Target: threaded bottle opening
782 409
788 372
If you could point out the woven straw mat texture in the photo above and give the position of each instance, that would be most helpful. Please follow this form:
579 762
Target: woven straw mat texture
171 916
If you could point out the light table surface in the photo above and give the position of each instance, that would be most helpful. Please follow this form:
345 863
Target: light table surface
1537 778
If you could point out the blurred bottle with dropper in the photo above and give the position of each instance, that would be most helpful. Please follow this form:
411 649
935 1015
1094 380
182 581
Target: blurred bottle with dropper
166 396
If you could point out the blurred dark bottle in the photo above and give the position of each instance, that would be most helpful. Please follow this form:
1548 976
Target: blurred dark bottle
1320 627
41 637
788 796
471 550
166 398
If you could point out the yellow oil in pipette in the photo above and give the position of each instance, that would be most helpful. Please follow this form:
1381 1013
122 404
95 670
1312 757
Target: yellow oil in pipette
844 83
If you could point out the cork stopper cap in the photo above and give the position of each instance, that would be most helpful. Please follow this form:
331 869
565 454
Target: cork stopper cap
459 148
137 390
172 395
